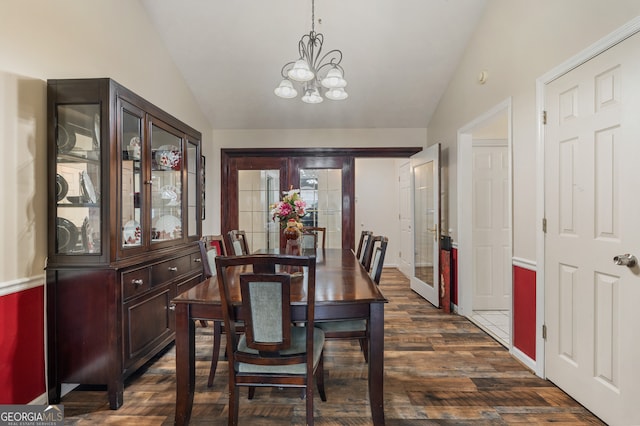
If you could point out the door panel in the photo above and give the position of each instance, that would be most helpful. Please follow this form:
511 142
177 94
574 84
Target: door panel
491 236
592 210
426 224
338 219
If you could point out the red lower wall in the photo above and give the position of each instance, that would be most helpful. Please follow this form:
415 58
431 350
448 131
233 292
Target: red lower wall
454 276
524 311
22 346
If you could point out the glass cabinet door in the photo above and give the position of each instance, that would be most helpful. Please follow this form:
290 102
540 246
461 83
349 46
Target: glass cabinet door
166 184
132 137
194 191
78 178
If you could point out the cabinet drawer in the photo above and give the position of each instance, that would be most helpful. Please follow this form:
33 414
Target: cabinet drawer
170 269
135 282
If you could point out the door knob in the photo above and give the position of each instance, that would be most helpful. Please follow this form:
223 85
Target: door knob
625 260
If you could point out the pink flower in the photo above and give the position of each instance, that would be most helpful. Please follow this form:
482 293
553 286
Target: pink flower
291 207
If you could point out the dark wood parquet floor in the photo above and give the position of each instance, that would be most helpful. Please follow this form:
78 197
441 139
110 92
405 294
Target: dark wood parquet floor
440 369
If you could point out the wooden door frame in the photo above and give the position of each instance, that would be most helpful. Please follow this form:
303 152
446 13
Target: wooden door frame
289 160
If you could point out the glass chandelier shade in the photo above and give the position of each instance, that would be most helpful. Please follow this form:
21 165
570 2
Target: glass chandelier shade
312 95
336 94
286 90
320 73
334 79
301 71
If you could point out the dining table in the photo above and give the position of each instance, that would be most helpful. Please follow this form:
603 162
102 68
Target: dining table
344 291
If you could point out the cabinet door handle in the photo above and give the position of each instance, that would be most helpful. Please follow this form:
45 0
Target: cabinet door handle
172 307
137 282
173 268
197 260
148 182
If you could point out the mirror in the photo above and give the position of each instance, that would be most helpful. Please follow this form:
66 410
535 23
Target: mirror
425 231
257 190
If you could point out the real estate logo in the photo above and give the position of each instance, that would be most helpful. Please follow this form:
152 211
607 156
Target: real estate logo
31 415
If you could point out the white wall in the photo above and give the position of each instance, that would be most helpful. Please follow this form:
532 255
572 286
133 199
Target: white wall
377 201
516 42
42 39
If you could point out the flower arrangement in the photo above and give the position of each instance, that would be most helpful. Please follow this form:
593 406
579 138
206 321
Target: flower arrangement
291 207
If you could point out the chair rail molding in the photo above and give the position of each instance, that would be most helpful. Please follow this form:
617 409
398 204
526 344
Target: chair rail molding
524 263
21 284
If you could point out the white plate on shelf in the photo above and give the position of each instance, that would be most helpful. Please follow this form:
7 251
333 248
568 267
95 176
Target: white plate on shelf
169 192
167 227
131 233
87 187
168 157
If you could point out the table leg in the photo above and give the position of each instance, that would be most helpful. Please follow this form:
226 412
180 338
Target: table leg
185 363
376 362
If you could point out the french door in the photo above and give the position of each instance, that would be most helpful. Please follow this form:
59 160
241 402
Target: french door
425 168
251 184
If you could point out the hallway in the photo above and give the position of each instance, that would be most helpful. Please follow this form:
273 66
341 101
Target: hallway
440 369
495 323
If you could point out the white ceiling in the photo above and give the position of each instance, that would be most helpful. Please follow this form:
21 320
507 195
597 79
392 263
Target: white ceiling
398 57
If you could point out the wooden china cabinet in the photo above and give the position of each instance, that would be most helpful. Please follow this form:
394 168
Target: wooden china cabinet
124 216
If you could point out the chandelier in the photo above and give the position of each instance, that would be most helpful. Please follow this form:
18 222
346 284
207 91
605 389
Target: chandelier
317 73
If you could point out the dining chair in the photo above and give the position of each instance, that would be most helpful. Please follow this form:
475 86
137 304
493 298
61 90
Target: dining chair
212 246
377 262
308 240
272 351
358 329
314 237
365 236
239 244
372 243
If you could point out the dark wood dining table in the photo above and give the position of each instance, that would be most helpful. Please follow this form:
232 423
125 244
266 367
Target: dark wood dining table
344 290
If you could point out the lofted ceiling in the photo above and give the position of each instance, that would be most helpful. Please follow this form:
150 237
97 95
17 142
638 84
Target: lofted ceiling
398 57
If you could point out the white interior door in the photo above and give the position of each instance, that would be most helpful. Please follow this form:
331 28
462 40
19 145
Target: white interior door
592 208
491 226
405 259
425 168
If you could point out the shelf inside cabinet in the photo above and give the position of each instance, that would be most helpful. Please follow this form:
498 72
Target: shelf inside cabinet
69 204
80 156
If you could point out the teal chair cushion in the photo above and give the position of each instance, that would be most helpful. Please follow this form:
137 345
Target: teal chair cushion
298 345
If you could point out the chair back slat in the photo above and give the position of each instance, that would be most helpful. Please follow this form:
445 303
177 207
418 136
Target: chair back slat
378 260
268 319
239 243
319 238
363 246
309 240
211 246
